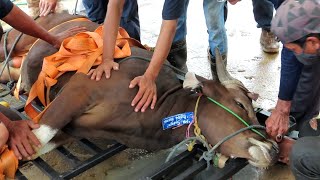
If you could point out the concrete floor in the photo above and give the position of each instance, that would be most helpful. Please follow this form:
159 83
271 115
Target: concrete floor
246 61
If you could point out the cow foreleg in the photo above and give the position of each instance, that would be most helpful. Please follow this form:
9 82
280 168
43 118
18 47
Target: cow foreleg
58 140
70 104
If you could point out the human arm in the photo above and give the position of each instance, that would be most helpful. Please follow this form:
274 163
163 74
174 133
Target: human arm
28 26
147 88
21 137
278 122
47 6
110 31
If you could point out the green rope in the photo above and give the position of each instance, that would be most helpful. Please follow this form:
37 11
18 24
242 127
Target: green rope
236 115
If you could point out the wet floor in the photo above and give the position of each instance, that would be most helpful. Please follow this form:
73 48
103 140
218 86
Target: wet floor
246 61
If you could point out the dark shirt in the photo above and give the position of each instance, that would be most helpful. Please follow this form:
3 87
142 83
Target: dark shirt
290 74
5 7
290 69
173 9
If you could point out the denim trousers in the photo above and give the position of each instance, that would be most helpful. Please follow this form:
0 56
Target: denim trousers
215 21
96 11
305 158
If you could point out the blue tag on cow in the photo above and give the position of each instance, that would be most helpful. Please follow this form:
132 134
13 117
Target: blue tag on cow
177 120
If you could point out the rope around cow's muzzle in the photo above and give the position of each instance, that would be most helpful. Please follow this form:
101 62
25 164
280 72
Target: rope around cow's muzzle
210 153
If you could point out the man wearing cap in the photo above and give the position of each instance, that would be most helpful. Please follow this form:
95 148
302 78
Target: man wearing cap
297 25
299 89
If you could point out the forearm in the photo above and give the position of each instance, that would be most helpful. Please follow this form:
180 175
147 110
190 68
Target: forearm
283 107
27 25
110 28
167 32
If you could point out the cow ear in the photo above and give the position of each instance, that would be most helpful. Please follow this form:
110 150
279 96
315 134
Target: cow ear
192 82
253 96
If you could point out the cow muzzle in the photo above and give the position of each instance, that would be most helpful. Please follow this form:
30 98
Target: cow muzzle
263 153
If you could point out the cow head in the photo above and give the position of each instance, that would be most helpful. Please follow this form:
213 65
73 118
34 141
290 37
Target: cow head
216 123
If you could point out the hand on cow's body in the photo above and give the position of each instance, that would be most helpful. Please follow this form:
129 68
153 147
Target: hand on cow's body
105 67
147 92
278 122
22 139
47 6
58 38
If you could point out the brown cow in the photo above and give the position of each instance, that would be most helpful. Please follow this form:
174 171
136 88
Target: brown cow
86 108
25 42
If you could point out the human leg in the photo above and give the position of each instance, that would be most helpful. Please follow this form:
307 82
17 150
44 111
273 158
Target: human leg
130 19
263 13
96 10
214 13
178 52
305 158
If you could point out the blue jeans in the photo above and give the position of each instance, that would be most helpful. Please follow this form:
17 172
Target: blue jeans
96 11
181 31
215 21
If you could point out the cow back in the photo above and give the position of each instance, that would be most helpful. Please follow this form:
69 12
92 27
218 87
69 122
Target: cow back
25 42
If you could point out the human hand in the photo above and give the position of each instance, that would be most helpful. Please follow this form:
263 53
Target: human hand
21 138
147 92
58 38
277 124
47 6
105 67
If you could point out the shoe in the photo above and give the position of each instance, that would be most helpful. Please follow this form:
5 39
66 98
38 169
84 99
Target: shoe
269 42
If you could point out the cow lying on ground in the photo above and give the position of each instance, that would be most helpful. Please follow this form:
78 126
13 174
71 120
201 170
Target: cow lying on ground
86 108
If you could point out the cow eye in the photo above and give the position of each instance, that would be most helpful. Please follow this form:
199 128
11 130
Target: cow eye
240 105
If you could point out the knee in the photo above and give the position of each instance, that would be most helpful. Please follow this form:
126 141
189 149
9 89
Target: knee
305 156
4 135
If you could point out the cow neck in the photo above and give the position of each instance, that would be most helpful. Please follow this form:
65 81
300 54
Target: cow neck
179 100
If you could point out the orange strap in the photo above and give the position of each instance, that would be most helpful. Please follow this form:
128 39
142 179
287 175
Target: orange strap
17 89
78 53
8 163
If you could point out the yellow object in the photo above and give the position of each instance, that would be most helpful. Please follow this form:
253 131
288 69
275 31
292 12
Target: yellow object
4 103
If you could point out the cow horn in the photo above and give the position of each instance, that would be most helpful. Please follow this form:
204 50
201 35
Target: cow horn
223 75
